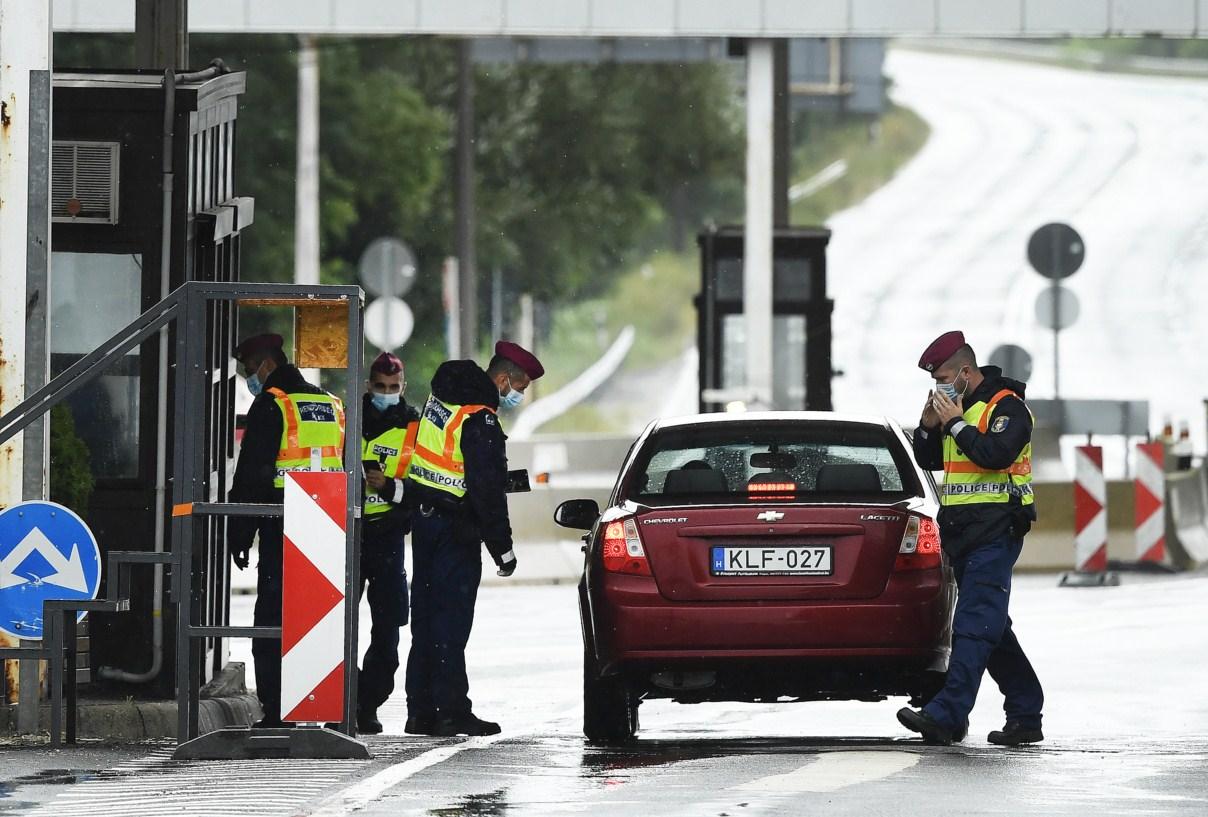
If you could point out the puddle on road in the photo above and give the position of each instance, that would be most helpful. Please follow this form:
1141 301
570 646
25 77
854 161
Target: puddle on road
491 804
47 777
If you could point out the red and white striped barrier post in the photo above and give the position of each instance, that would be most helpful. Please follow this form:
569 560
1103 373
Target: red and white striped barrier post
1090 520
1150 503
312 599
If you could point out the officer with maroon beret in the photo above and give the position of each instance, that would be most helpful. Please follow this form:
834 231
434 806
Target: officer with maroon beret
457 483
977 429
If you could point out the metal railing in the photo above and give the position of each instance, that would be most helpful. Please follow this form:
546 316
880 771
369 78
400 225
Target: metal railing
189 309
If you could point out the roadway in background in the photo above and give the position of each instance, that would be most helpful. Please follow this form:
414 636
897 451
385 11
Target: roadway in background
1013 145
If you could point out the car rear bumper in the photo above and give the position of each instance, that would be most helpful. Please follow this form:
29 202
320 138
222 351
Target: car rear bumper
907 626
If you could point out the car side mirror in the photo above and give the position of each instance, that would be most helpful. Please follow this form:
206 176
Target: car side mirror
580 514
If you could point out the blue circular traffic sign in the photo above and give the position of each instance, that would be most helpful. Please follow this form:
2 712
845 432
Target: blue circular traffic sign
46 553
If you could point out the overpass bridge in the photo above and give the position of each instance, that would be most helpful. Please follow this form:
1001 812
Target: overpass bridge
667 18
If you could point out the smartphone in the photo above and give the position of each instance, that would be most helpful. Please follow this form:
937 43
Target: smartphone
518 481
371 465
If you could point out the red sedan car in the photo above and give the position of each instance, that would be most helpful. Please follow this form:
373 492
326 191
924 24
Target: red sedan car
761 557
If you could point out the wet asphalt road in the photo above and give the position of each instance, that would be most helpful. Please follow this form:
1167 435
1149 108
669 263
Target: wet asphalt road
1126 721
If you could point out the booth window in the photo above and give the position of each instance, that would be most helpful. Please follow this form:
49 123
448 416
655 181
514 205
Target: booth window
93 295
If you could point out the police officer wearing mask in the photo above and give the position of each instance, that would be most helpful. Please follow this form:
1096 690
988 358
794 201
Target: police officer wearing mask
289 419
976 427
457 482
388 428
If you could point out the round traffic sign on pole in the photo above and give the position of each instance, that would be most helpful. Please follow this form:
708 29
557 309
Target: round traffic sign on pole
1056 251
388 323
387 268
1014 361
1056 308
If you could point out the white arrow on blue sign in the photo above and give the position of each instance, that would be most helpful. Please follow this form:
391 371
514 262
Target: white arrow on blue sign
46 553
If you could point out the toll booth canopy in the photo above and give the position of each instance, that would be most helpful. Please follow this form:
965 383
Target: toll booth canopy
801 332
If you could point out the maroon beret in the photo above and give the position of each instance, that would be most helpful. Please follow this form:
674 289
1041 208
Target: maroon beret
386 363
942 348
521 357
256 345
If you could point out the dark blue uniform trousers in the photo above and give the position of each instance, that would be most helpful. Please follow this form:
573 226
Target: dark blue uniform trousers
383 569
982 639
266 652
446 559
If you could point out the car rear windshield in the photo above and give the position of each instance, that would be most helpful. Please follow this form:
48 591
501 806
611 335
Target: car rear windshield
761 462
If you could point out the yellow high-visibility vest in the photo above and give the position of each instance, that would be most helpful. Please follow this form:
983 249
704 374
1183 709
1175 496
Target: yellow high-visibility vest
437 461
967 483
393 448
311 421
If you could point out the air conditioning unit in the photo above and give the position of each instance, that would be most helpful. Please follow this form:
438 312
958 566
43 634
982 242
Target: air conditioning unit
84 182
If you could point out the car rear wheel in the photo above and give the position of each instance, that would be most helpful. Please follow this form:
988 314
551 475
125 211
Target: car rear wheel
610 709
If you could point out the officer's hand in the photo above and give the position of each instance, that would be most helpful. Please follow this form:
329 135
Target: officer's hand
507 564
930 418
240 557
386 489
947 409
375 479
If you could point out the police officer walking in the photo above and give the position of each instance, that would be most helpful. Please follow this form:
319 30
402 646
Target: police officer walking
976 427
388 429
458 479
289 422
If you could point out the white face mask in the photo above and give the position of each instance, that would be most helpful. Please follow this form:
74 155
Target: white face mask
381 402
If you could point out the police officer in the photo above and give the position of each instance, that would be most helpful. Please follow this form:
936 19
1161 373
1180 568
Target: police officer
290 421
457 480
389 428
976 427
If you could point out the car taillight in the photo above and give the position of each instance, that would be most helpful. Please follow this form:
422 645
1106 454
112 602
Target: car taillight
623 551
920 549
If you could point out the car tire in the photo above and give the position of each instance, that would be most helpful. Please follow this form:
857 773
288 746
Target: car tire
610 709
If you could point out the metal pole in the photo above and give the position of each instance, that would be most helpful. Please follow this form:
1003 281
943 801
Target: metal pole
161 34
25 48
306 208
781 125
757 241
466 250
352 517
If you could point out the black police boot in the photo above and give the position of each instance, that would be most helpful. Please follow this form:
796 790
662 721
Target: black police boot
919 721
961 732
467 724
1015 734
368 723
420 725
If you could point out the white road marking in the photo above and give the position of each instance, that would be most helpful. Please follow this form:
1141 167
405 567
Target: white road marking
835 771
361 794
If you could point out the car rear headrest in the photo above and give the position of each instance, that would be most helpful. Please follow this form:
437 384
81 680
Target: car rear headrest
852 478
695 481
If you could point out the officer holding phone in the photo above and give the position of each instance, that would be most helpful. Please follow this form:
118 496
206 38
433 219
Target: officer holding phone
977 428
458 483
388 430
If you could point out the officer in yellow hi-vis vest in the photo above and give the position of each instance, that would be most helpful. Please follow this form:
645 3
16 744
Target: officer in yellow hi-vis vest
388 430
978 430
457 484
292 425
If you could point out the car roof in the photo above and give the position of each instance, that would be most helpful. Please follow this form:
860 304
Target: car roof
820 417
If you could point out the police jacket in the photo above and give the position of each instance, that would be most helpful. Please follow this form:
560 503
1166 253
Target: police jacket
257 466
964 527
484 506
375 423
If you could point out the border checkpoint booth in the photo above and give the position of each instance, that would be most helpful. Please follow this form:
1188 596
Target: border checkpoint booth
144 304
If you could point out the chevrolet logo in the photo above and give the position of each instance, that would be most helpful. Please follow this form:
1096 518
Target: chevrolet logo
770 516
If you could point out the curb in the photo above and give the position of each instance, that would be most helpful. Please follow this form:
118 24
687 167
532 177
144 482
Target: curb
225 702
